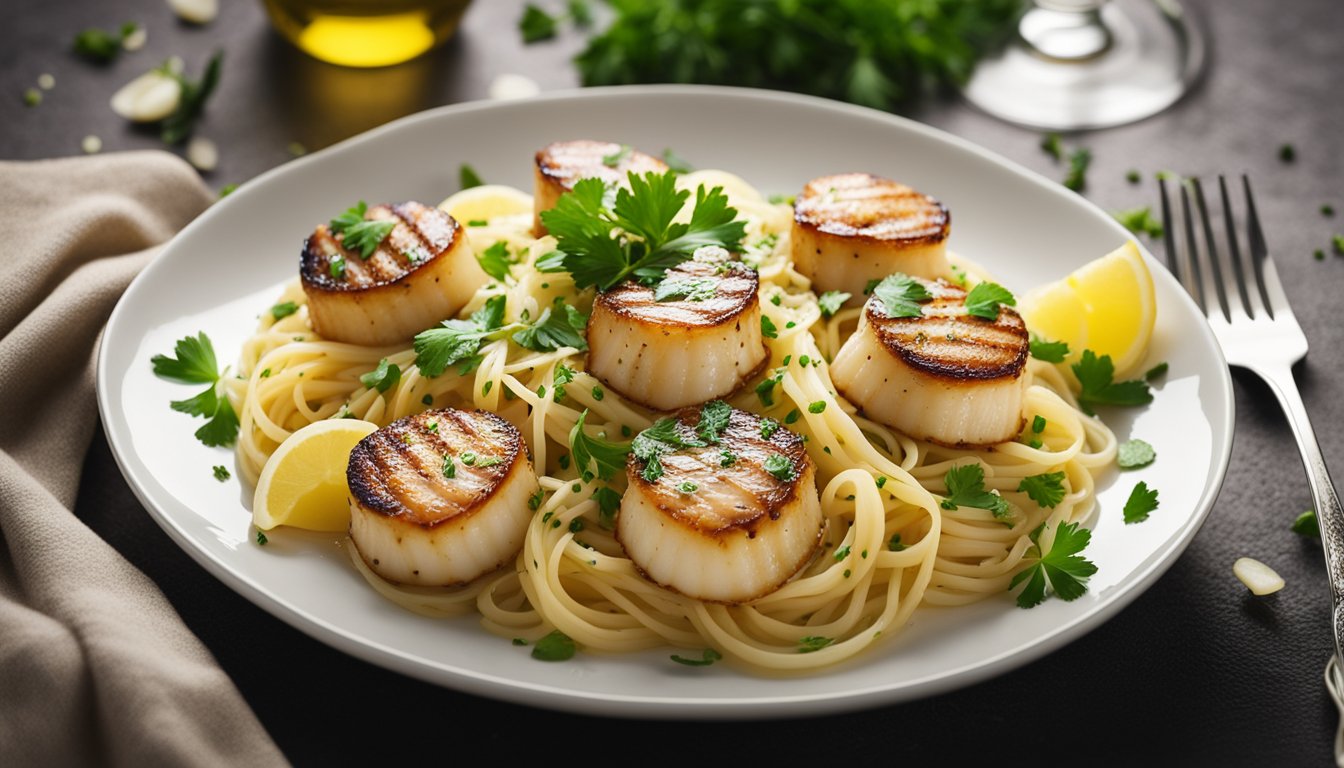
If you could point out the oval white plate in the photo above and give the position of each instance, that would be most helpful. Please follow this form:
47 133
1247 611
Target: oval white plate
225 268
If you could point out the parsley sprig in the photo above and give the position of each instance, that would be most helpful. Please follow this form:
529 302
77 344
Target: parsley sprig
966 488
984 299
1049 351
636 236
359 234
902 295
1096 378
1061 570
194 363
457 340
605 456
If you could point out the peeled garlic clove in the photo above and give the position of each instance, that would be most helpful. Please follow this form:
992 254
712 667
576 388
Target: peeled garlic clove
1258 577
510 86
195 11
202 153
149 97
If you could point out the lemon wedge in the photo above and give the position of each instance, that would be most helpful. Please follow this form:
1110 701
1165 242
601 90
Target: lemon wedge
303 483
486 202
1107 305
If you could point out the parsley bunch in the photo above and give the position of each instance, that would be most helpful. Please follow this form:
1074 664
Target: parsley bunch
636 236
195 363
879 55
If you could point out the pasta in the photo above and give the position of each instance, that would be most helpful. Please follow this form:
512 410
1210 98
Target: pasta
889 547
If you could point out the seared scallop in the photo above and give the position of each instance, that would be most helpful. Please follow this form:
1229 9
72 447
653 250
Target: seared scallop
421 272
693 337
728 518
853 228
440 498
561 165
945 376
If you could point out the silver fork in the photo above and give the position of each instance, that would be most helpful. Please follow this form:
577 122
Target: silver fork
1257 330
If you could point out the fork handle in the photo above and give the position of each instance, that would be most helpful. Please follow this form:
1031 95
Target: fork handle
1328 512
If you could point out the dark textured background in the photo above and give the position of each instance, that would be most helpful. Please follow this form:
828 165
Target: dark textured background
1194 672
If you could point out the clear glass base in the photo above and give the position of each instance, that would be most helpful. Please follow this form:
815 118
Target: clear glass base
1139 61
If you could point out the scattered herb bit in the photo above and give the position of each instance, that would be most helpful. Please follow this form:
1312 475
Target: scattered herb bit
894 544
534 501
791 416
714 417
779 465
357 233
226 190
727 458
576 525
598 394
536 24
337 267
1096 374
382 378
427 400
831 302
261 538
1307 524
607 457
1338 242
768 329
816 407
841 553
32 97
1140 221
1327 210
1046 489
1156 372
708 657
1079 160
1038 424
519 641
901 295
768 428
449 467
966 488
778 199
658 440
560 325
1133 177
687 487
221 472
1052 146
1049 351
1062 570
1133 454
296 149
477 223
195 363
284 309
1287 153
608 502
1318 254
487 386
1141 502
870 286
675 163
494 261
555 646
813 643
984 299
178 126
468 178
689 289
651 242
100 46
619 156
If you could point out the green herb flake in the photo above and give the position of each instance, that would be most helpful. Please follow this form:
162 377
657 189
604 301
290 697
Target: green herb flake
284 309
1307 524
494 261
619 156
1140 221
779 465
813 643
792 416
382 378
816 407
534 501
1133 177
427 400
1287 153
709 656
449 468
686 289
607 457
768 329
966 488
768 427
984 299
1061 571
358 233
1156 372
901 295
1141 502
687 487
555 646
178 127
1052 146
1048 351
221 472
261 539
1046 489
1096 378
1038 423
32 97
894 544
676 163
841 553
831 302
468 178
1079 161
1133 454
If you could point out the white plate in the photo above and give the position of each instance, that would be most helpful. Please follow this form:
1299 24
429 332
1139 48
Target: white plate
225 268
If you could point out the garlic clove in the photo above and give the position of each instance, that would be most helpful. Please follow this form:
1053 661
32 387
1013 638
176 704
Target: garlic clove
149 97
1258 577
202 153
195 11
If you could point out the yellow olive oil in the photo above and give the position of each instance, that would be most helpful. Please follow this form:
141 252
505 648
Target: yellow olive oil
366 33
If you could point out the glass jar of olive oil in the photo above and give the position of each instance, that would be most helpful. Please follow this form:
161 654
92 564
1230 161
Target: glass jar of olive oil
366 33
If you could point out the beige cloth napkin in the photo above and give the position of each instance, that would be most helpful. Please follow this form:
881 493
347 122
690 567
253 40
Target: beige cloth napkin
95 665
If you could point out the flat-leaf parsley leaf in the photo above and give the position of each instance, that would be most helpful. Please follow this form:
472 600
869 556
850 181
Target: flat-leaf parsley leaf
1141 502
1061 570
966 488
195 363
1095 376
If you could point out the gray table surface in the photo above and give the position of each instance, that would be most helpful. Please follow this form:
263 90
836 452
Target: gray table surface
1193 672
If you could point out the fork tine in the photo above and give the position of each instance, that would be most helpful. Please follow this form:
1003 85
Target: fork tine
1168 237
1211 248
1266 276
1234 249
1195 280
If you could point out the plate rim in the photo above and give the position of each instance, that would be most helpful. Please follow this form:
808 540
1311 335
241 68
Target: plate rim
539 695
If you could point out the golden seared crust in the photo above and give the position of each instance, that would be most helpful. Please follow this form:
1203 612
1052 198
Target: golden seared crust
739 497
735 293
398 471
566 162
861 205
422 235
947 343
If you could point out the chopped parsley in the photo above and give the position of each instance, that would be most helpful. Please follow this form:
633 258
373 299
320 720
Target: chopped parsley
1156 372
768 328
1048 351
382 378
195 363
768 428
608 502
1287 153
894 544
688 289
816 407
1061 570
221 472
1038 423
563 375
494 261
605 456
449 467
468 178
1079 160
1133 454
560 325
555 646
966 488
765 389
261 539
1140 221
901 295
675 162
100 46
1052 146
1096 378
831 302
1045 489
714 417
337 267
984 299
709 656
284 309
359 234
1307 524
637 236
779 465
650 445
534 501
1141 502
687 487
619 156
813 643
1133 177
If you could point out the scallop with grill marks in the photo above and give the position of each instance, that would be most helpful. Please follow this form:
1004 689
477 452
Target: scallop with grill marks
561 165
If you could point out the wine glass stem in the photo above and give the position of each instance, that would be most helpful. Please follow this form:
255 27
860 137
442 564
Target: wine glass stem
1066 30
